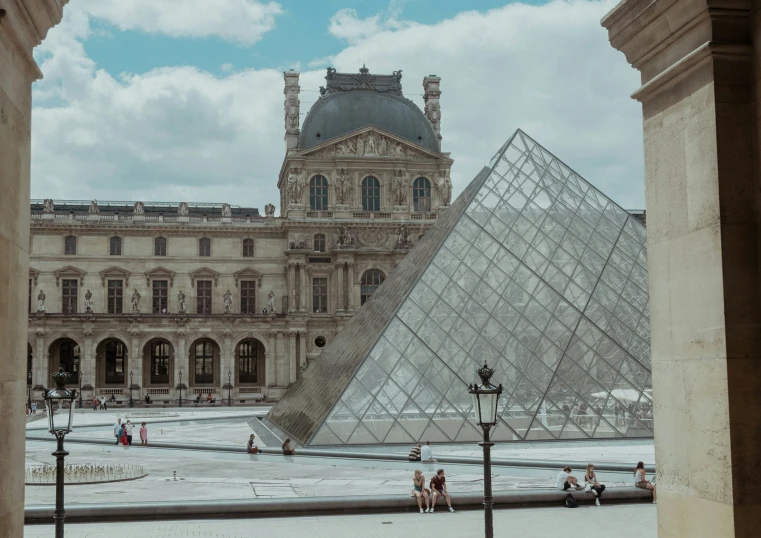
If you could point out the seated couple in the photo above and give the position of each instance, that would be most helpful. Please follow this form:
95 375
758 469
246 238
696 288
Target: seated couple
438 488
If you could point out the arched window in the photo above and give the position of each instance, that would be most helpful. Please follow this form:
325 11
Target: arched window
204 362
70 245
249 353
370 282
115 362
421 195
159 362
318 193
370 194
116 246
248 248
204 246
319 243
159 246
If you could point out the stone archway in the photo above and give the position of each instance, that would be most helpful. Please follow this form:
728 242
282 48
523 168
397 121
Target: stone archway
66 353
250 363
112 364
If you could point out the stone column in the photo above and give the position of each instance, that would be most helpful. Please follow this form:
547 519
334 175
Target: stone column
282 371
431 96
350 286
291 287
227 363
292 357
302 350
340 303
302 288
136 366
270 361
23 24
40 362
88 364
180 363
700 72
292 103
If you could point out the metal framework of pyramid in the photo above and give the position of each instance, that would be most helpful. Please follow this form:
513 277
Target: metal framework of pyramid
532 270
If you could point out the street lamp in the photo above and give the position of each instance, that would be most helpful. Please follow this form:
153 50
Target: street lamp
229 388
59 425
131 403
485 400
180 387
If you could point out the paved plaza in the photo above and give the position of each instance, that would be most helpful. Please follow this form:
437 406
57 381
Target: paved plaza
621 521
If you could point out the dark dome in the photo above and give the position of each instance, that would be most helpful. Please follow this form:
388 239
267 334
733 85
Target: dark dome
339 113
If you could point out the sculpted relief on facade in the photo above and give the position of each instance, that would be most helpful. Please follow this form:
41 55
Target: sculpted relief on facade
370 144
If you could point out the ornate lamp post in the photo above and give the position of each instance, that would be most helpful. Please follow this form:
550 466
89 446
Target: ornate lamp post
485 400
79 378
180 387
229 388
59 425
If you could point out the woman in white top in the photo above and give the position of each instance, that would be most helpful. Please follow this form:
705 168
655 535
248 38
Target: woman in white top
639 479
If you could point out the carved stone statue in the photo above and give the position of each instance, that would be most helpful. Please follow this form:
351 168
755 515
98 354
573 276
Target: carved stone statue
444 186
271 301
182 209
41 301
344 237
382 146
269 210
347 147
371 144
399 189
228 299
181 301
88 301
402 237
227 210
136 301
138 208
48 206
292 113
343 187
296 186
94 209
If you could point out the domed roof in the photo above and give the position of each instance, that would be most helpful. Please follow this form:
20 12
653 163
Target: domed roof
352 101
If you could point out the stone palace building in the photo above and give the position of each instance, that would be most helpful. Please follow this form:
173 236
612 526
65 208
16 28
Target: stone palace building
147 299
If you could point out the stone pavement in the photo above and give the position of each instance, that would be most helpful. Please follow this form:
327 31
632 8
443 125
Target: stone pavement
620 521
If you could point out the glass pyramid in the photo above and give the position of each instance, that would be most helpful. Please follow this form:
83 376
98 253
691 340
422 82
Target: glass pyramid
541 276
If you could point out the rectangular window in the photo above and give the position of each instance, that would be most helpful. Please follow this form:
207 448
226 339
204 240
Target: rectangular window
70 245
320 295
160 296
204 247
248 297
115 296
203 297
69 288
248 248
115 246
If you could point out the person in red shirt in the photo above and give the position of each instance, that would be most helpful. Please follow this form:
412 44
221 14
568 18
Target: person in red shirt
439 489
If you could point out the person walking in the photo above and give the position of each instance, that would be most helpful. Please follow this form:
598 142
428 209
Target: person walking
123 436
118 429
34 408
415 453
419 491
640 480
128 426
426 453
104 403
439 489
592 484
565 481
251 448
143 434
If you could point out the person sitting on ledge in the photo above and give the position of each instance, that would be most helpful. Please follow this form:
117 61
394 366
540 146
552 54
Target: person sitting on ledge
148 399
252 448
639 479
415 453
565 481
287 450
209 398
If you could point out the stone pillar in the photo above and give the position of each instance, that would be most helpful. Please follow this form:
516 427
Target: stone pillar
431 95
350 286
88 365
302 288
700 72
270 361
180 364
23 24
40 362
291 287
227 363
340 303
291 104
292 357
302 350
136 366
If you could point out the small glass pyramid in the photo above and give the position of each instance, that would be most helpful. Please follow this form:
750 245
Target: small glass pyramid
543 277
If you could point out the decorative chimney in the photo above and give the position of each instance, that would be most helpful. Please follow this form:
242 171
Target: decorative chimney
291 106
431 94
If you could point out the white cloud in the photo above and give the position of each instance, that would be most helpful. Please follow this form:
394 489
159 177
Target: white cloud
346 24
184 134
237 21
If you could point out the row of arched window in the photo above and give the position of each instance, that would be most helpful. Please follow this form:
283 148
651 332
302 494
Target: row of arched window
371 194
159 246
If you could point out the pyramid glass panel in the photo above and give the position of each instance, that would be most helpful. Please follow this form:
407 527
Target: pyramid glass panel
532 270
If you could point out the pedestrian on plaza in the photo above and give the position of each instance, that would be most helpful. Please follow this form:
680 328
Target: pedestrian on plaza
198 399
592 484
34 408
420 492
439 489
287 450
641 482
113 398
95 404
104 403
123 437
147 399
252 448
118 429
143 434
129 426
565 481
426 453
414 453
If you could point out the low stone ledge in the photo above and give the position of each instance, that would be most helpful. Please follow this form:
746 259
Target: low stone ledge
263 508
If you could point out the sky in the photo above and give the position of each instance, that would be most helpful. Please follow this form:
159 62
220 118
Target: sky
182 100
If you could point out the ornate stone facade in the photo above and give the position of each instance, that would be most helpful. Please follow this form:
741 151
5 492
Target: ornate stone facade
216 298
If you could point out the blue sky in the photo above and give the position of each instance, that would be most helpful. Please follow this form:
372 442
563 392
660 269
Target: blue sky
182 100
